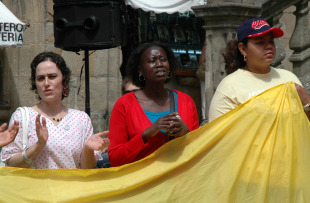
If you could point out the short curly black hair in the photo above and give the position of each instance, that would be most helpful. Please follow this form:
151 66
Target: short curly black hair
135 59
61 65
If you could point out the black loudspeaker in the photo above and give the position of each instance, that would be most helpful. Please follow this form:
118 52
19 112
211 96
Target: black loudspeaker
91 24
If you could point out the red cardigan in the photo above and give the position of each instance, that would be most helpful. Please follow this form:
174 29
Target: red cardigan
128 121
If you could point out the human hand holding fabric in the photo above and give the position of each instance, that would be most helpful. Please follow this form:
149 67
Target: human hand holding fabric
9 135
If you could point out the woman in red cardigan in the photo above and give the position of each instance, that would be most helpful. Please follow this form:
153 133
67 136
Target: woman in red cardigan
141 121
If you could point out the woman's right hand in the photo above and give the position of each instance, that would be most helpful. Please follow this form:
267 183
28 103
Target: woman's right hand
9 135
42 132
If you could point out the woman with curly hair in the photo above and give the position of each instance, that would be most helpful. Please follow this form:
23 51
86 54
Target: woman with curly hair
142 121
58 136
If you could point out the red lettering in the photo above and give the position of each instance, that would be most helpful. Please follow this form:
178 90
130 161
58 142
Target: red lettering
258 24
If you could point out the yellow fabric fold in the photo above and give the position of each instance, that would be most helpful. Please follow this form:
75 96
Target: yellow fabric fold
258 152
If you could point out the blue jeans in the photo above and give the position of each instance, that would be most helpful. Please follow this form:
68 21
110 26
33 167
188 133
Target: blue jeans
104 163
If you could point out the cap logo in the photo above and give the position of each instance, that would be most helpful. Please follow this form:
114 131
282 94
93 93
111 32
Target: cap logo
258 24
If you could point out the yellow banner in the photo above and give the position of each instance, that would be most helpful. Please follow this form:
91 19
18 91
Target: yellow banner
259 152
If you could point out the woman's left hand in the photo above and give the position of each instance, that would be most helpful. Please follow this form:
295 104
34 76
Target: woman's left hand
97 142
177 126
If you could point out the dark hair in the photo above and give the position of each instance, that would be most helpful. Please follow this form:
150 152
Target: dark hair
61 65
232 56
126 80
135 59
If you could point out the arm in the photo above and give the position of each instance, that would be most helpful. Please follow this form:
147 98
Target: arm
304 97
32 152
124 146
220 104
9 135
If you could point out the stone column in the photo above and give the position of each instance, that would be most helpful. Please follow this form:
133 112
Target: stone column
221 23
300 43
280 56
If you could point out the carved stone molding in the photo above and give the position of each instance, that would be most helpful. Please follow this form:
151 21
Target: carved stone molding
221 23
300 43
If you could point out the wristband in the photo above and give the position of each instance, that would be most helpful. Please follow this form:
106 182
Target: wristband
28 161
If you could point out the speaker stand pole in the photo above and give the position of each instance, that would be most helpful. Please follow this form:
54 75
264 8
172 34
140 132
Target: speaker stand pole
87 103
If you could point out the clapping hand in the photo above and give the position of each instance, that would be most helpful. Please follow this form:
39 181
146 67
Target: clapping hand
97 142
9 135
42 131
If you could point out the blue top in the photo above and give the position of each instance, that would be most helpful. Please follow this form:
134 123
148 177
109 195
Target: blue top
153 116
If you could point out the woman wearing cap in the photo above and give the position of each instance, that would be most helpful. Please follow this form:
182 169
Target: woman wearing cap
248 68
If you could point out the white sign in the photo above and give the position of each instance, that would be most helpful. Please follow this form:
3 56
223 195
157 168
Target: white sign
11 28
168 6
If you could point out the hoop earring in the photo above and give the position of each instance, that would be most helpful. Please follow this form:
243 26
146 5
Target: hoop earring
64 92
244 58
141 79
169 75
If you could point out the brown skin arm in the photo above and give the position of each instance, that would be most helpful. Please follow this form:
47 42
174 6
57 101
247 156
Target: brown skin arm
304 97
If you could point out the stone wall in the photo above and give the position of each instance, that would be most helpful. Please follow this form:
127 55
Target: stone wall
288 25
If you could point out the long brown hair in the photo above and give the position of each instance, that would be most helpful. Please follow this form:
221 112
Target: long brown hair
233 57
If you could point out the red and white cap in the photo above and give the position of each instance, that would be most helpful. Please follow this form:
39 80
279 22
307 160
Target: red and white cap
255 27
